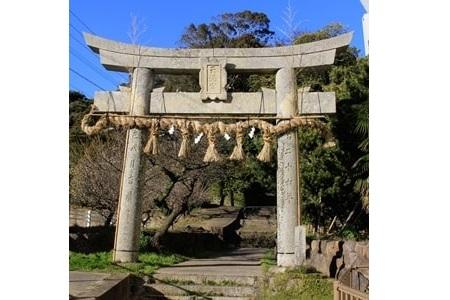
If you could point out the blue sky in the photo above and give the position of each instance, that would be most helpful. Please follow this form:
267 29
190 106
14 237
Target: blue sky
166 21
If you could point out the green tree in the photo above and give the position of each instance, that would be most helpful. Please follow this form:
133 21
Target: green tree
351 124
244 29
335 179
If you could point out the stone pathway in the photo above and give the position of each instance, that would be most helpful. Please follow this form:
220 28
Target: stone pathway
229 275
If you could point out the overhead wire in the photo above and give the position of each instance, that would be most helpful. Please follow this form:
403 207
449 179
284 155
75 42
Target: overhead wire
87 79
76 29
114 80
112 75
118 76
81 21
92 66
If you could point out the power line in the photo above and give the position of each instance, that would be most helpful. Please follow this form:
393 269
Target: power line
79 19
74 28
87 79
117 76
80 42
91 66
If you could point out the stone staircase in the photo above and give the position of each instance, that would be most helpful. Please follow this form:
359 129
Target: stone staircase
233 275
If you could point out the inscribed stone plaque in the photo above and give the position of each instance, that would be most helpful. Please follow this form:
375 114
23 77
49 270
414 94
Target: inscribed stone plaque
213 79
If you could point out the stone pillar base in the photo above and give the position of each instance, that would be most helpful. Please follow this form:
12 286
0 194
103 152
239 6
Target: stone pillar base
300 245
125 256
285 259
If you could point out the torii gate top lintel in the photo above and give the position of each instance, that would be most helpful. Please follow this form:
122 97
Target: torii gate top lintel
213 65
117 56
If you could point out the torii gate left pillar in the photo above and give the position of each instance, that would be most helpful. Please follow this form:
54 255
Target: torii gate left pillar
128 226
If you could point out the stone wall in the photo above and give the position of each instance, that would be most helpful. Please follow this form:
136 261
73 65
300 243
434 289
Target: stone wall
84 217
347 261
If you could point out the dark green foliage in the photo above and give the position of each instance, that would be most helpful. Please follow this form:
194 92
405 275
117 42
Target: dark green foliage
230 30
325 190
179 83
79 105
335 179
351 124
317 78
144 242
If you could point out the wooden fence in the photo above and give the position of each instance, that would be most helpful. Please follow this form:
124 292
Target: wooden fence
343 292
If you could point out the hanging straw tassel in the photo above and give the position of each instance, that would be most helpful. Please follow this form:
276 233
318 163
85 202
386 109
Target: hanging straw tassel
185 135
266 151
238 151
222 127
211 154
152 143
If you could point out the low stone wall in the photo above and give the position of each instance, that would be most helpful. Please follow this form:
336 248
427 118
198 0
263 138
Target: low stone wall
84 217
348 261
258 227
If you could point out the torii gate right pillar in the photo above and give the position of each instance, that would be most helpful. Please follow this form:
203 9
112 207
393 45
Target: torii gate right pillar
288 196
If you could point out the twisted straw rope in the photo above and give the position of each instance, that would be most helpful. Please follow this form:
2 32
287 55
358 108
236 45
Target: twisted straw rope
188 127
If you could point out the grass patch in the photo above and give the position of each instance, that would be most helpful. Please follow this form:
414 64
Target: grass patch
298 283
177 282
268 260
147 263
222 283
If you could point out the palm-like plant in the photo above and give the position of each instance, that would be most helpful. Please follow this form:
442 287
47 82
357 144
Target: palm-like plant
361 165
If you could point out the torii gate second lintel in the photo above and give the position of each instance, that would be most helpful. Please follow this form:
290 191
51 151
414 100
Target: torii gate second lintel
213 64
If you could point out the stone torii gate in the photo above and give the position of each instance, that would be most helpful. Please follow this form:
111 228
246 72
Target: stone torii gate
286 101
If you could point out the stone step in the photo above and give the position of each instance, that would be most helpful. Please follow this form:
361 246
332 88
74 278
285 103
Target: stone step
208 290
159 297
216 279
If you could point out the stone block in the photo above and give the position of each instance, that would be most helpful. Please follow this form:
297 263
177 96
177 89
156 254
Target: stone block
300 245
348 246
339 262
314 246
322 246
321 263
316 103
362 249
351 259
332 248
101 286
